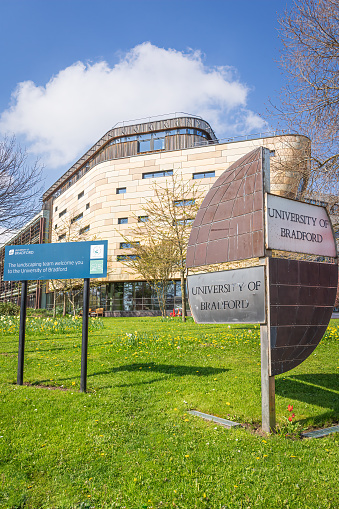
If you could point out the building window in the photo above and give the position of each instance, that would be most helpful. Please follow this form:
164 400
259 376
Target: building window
128 245
87 206
142 219
122 220
155 174
84 229
55 226
185 221
62 237
121 190
122 258
145 146
77 218
62 213
158 143
184 203
80 195
204 175
56 208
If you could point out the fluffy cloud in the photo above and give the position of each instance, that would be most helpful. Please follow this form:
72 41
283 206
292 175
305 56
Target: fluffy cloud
61 120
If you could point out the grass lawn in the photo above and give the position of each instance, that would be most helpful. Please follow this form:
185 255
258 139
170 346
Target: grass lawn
129 442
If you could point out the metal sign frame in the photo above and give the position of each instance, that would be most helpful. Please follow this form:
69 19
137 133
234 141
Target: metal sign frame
78 260
232 226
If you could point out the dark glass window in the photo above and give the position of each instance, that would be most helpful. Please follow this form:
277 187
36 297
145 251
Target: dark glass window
87 206
128 245
185 221
80 195
122 258
155 174
77 218
84 229
122 220
184 203
56 208
62 213
142 219
204 175
61 237
121 190
145 146
158 143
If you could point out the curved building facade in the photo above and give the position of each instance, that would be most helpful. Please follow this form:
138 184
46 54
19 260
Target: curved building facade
102 195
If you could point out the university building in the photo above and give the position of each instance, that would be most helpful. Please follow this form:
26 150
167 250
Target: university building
102 195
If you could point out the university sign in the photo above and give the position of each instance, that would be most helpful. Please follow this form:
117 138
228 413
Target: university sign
288 272
64 260
234 296
298 227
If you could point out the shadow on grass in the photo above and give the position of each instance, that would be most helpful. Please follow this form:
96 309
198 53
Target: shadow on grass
149 367
168 369
318 389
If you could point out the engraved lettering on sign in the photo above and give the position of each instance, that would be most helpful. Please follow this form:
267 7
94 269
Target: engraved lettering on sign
298 227
228 296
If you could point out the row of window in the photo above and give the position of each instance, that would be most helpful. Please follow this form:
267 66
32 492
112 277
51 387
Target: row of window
151 175
165 173
124 220
158 136
74 219
83 230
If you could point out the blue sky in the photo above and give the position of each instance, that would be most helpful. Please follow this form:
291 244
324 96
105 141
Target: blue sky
85 65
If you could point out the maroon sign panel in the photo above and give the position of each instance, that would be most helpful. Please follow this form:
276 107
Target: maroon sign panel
230 222
230 226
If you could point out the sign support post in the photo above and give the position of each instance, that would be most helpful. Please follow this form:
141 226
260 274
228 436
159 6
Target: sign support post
84 346
267 383
21 353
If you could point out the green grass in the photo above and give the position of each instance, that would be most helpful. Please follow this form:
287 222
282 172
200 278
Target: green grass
130 441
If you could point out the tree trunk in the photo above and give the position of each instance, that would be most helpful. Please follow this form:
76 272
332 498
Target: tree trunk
183 295
64 305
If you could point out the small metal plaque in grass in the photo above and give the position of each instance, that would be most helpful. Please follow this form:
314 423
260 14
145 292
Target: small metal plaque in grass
213 418
319 433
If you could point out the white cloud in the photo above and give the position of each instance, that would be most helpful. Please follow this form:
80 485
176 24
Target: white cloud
62 119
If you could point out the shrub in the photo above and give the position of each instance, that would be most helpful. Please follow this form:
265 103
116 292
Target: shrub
9 309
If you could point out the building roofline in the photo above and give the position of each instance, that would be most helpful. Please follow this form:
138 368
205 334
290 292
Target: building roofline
126 129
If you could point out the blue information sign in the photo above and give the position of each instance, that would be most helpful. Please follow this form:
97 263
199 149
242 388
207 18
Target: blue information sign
64 260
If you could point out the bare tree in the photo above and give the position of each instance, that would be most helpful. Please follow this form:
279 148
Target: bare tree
155 260
169 218
70 229
310 99
20 187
